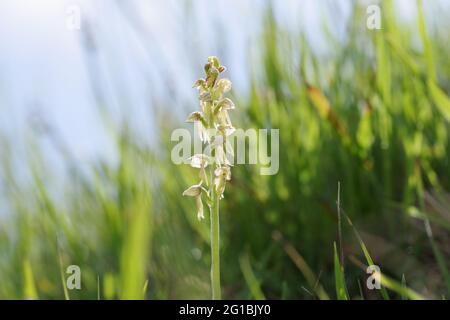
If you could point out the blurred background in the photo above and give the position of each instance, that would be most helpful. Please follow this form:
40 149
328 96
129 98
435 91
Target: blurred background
86 114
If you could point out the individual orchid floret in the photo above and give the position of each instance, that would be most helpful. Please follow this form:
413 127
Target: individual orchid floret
224 104
200 125
223 119
201 161
222 149
223 86
222 175
196 191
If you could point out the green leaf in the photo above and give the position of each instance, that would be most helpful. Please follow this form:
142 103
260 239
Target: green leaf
250 277
428 53
369 260
440 99
341 290
29 286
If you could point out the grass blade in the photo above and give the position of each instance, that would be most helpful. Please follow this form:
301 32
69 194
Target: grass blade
250 278
440 99
30 292
369 260
341 290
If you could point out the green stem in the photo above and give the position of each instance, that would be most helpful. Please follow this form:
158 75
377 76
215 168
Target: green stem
215 225
215 250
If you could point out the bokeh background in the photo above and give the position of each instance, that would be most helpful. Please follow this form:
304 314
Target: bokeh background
85 171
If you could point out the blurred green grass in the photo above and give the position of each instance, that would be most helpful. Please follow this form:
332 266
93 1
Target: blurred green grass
372 114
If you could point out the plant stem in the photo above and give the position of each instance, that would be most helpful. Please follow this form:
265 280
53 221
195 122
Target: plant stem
341 249
215 228
215 249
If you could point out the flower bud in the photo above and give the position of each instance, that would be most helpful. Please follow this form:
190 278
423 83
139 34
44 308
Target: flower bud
207 67
214 61
213 73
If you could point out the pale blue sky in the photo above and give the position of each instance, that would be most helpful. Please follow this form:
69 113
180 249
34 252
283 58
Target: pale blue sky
147 52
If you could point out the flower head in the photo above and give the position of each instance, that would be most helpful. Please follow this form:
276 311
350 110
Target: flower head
213 124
